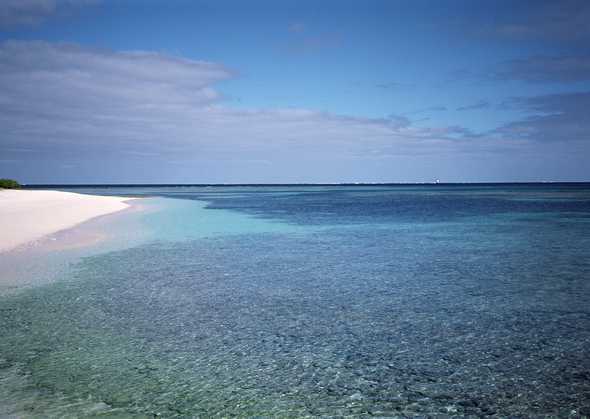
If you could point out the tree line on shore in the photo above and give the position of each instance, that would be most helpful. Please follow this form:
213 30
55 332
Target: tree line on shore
9 184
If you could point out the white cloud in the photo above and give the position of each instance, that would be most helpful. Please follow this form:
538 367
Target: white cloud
126 115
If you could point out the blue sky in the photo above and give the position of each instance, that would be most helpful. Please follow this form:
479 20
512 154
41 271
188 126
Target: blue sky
229 91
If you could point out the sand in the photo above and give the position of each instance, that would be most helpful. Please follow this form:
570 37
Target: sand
26 216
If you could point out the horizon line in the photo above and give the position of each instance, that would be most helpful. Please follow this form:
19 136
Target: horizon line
43 185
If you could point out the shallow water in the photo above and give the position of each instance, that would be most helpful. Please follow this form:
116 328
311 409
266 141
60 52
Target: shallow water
317 301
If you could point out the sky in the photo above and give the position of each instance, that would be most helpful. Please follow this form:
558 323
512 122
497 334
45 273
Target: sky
130 91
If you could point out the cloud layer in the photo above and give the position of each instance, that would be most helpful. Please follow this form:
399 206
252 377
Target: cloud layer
73 101
559 21
147 117
557 117
544 69
30 12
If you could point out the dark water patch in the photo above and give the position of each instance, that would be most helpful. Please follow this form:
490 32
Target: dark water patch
367 204
394 205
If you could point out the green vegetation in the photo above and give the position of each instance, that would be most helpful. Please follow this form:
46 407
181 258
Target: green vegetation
9 184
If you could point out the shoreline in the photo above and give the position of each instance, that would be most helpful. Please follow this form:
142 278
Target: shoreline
47 258
28 217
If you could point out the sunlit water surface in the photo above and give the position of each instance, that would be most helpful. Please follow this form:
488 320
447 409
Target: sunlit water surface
316 301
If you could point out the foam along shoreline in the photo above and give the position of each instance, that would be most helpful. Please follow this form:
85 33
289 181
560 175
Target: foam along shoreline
26 216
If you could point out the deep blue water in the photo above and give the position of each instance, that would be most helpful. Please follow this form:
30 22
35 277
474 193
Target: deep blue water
318 301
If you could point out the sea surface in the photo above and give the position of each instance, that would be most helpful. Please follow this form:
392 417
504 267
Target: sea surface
314 301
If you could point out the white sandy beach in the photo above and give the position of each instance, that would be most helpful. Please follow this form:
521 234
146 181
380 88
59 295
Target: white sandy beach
27 215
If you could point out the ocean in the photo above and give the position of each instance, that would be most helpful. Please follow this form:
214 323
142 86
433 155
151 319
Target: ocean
314 301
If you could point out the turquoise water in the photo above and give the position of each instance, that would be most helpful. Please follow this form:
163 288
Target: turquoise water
316 301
